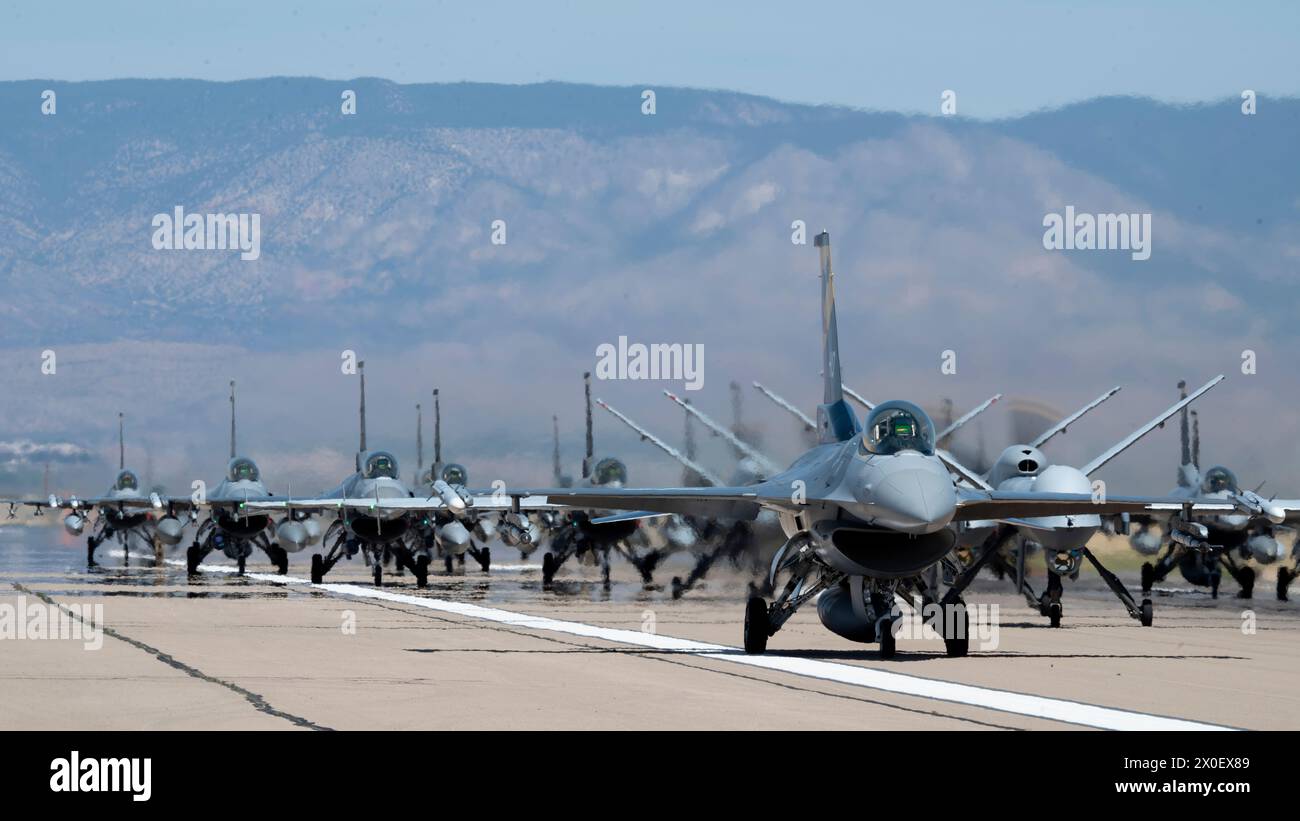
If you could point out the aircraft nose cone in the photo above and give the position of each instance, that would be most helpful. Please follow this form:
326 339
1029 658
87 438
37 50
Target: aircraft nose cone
916 501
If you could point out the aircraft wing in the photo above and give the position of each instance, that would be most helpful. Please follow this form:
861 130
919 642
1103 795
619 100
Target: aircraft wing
1004 505
150 502
38 503
715 502
493 501
155 502
1290 509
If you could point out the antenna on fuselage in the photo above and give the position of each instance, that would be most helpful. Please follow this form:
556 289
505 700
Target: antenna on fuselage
586 461
232 419
121 441
437 435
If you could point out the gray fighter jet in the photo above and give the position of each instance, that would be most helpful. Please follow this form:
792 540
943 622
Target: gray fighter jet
1202 546
866 511
233 528
450 531
125 512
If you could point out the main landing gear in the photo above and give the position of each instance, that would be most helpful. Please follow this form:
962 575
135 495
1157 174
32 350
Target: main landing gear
482 555
1285 576
1204 569
403 558
209 538
1143 612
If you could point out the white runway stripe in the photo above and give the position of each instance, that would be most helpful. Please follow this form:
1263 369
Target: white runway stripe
1053 709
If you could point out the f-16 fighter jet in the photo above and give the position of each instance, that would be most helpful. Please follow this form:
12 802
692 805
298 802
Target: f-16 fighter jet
866 511
234 529
125 512
451 531
576 533
1201 547
375 510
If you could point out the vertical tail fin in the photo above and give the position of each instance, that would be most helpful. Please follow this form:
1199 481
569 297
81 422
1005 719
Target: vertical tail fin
690 433
121 441
232 419
690 476
419 442
835 419
1186 458
831 381
1196 441
556 472
361 370
437 434
737 425
591 447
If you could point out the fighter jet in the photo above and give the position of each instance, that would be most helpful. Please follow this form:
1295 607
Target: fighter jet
451 530
234 529
866 511
755 466
1201 547
362 524
705 538
125 512
577 534
1024 467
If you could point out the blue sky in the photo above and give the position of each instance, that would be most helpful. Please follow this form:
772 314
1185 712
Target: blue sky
1001 58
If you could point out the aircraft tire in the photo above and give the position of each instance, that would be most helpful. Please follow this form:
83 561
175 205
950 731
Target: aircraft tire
958 646
757 626
317 569
1148 613
1246 578
1148 577
888 642
1054 614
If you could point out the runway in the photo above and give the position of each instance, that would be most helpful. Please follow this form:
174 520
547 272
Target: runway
497 651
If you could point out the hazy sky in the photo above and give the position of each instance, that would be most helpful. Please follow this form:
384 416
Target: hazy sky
1001 58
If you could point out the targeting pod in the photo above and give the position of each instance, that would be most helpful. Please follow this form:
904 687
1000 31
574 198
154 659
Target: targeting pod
518 529
1190 534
